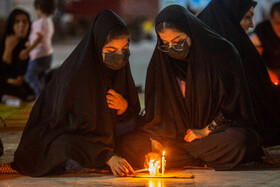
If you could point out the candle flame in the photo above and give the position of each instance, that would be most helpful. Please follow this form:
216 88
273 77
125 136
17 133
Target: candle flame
163 153
154 167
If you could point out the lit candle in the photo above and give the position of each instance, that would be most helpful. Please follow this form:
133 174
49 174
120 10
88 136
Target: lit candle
163 163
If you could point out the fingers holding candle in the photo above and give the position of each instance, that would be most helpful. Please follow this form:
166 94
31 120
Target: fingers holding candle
119 166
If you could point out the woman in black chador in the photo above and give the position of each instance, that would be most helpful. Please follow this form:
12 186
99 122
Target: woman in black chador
12 67
231 19
198 107
75 118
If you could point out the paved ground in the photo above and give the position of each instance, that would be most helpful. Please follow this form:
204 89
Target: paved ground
201 178
140 55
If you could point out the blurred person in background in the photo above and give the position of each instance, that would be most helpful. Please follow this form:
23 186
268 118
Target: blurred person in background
232 19
12 66
266 38
262 10
40 48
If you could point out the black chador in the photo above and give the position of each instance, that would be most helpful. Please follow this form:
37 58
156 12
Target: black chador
224 17
216 89
71 119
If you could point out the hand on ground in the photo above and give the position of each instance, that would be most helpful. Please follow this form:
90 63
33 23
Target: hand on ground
120 167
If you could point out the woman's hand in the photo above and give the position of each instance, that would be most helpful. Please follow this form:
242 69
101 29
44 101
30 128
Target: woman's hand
119 166
151 156
116 101
193 134
17 82
10 44
24 54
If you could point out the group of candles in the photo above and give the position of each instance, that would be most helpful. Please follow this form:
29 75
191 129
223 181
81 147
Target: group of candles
154 166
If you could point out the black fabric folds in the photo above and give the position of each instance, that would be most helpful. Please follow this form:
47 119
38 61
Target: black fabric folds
215 82
71 119
224 17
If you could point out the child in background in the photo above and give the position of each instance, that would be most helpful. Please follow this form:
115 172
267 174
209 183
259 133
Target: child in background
40 49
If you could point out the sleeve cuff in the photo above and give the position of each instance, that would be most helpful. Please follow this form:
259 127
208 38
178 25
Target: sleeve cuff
106 155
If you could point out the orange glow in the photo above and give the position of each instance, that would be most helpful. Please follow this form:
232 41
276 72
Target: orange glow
274 78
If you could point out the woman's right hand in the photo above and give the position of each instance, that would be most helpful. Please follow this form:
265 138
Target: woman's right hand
119 166
11 42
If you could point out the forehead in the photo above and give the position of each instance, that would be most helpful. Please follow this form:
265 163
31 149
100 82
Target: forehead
21 17
119 42
170 34
251 10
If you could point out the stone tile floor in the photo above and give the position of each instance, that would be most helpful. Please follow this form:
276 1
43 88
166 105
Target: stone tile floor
201 178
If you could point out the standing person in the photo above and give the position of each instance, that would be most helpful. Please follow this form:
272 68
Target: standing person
231 19
12 67
266 38
40 49
76 118
198 107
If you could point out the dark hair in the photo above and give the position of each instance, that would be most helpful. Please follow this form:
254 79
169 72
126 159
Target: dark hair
116 32
167 25
46 6
9 28
275 8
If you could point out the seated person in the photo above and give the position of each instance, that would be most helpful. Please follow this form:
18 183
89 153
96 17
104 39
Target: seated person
75 119
266 38
198 106
12 67
222 16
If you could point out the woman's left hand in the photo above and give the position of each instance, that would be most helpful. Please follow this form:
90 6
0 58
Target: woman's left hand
193 134
116 101
17 82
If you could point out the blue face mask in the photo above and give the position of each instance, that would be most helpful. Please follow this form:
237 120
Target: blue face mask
116 61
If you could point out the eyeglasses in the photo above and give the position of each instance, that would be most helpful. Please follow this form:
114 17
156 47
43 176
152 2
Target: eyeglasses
177 46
